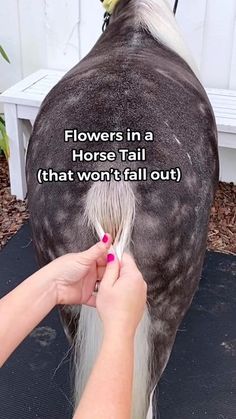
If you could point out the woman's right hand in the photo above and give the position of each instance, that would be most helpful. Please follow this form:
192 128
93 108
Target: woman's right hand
122 296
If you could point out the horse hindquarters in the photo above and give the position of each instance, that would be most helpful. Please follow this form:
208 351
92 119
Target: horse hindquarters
170 254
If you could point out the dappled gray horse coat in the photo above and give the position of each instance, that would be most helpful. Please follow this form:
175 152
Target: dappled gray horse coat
131 80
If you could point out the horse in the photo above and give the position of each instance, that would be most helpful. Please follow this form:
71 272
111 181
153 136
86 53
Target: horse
139 78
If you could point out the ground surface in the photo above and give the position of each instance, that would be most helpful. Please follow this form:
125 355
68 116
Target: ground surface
199 382
222 228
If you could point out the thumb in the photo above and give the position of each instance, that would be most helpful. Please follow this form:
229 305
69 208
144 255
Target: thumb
98 250
112 270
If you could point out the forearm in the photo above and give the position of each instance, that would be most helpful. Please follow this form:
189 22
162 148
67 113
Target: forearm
108 393
22 310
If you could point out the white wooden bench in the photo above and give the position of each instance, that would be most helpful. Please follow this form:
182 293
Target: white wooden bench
22 102
224 105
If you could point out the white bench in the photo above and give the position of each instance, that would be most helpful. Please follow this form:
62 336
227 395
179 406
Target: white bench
21 105
224 105
22 102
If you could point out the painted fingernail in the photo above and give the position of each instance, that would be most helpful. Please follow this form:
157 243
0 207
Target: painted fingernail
110 257
105 238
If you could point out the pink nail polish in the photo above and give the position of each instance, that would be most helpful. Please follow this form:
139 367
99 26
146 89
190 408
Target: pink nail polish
110 257
105 238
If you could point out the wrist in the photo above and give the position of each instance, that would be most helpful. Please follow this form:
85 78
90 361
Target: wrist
48 283
53 290
121 334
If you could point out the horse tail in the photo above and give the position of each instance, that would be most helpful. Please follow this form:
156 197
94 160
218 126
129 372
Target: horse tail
110 207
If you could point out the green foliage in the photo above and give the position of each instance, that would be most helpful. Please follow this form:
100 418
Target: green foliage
4 55
4 139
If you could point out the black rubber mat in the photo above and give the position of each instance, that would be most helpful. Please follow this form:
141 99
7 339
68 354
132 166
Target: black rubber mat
199 382
31 386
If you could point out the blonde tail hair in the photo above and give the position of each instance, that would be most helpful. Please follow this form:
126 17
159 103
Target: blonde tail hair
110 207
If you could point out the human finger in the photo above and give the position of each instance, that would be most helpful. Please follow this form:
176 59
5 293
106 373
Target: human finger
112 270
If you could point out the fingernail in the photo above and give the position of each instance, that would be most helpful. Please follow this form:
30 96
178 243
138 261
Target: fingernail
110 257
105 238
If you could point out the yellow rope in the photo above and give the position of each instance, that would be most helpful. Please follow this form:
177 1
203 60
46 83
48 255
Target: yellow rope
110 5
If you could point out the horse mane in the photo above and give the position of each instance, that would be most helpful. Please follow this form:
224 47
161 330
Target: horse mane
157 18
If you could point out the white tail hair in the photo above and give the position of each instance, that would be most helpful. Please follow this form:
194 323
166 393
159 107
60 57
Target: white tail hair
156 17
110 207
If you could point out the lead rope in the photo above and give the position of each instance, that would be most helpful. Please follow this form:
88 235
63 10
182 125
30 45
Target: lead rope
175 6
107 16
106 20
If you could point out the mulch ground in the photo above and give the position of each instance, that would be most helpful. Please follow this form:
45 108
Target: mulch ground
13 213
222 228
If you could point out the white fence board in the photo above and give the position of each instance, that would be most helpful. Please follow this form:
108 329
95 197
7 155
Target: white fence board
57 33
10 40
191 18
91 19
38 34
232 79
33 35
62 28
218 43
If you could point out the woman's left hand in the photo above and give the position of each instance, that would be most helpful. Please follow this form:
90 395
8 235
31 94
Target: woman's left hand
76 274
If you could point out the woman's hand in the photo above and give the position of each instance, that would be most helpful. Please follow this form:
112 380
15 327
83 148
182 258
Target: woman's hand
69 279
76 274
122 296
